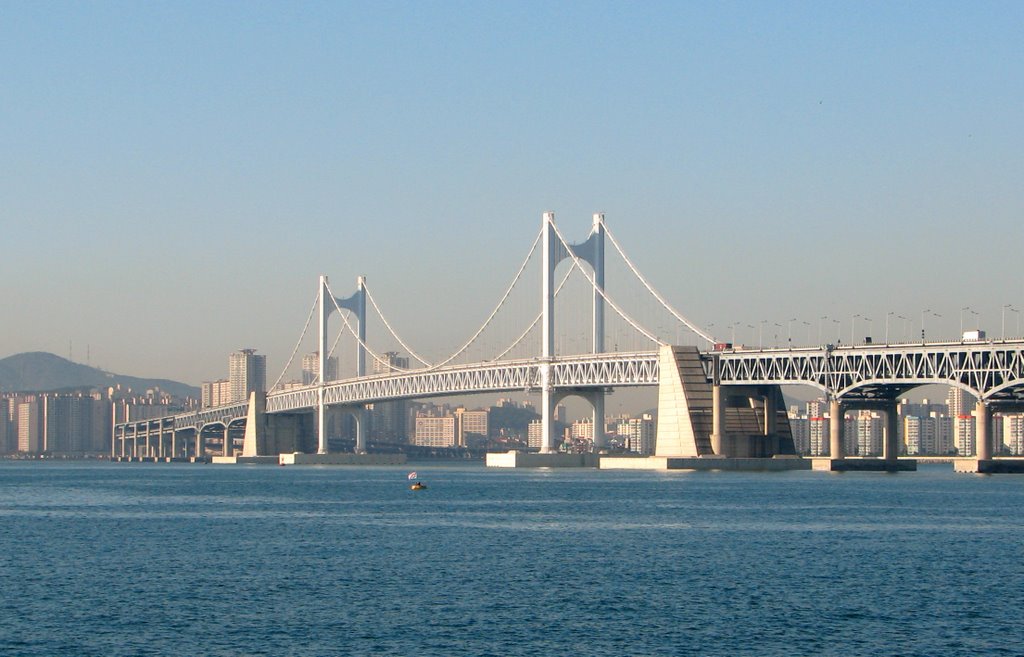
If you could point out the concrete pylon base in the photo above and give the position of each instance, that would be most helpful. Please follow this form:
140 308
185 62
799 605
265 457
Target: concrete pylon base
705 463
347 458
989 466
517 459
826 464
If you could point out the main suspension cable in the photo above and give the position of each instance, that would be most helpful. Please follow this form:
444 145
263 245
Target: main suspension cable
693 327
297 344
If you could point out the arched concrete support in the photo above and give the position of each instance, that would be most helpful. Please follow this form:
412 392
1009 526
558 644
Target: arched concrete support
835 425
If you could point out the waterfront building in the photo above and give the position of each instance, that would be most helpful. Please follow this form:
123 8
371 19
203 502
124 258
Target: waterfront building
434 431
471 426
638 434
869 433
1013 434
850 435
30 426
817 427
247 372
963 434
800 428
534 435
960 406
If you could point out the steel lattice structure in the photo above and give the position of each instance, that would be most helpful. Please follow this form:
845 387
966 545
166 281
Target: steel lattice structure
992 371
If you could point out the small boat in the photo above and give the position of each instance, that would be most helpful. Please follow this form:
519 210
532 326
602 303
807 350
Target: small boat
419 485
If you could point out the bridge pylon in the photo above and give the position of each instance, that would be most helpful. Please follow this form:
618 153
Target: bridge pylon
590 251
357 304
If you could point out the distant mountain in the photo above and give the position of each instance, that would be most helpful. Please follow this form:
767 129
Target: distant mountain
38 371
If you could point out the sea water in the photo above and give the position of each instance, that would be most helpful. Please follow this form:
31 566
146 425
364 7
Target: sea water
145 559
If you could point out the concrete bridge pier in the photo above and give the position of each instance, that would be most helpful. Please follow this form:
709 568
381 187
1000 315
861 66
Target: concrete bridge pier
835 427
362 422
891 443
717 421
983 431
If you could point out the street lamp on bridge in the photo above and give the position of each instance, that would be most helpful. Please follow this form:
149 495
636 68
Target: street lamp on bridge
927 311
1010 307
853 328
962 318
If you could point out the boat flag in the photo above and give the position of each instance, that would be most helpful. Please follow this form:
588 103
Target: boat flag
412 475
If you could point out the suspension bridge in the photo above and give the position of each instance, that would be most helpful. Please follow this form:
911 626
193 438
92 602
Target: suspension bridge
715 399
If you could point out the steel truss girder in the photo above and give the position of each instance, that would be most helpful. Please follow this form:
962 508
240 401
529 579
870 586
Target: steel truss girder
590 371
987 370
991 371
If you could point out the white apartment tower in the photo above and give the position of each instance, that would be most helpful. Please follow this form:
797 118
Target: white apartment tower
311 368
247 372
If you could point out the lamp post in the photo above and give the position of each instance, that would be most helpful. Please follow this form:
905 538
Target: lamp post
839 330
789 331
935 315
853 329
760 333
751 327
775 338
820 320
808 325
905 320
1009 306
887 326
870 324
962 320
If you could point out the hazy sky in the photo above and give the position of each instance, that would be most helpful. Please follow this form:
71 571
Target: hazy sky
174 176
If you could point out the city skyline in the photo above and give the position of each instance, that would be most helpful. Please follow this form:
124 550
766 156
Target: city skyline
177 177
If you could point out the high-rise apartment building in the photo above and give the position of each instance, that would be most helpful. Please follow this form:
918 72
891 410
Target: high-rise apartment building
817 427
311 368
30 426
869 433
961 404
247 372
1013 434
389 420
800 428
638 434
215 393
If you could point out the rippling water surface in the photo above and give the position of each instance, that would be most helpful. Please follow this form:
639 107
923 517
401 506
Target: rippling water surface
117 559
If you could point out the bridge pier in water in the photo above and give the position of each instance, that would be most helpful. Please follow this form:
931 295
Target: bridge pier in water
839 461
